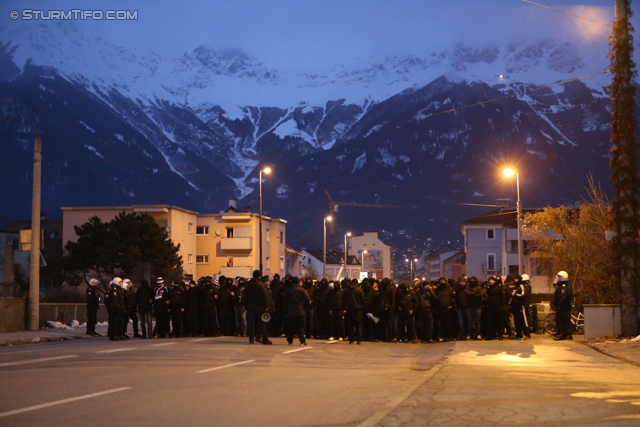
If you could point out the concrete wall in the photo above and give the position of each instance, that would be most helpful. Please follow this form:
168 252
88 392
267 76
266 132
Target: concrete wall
602 320
12 314
66 312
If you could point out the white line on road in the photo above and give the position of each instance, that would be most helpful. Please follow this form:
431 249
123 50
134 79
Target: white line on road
163 344
330 342
45 359
225 366
116 350
200 339
60 402
297 349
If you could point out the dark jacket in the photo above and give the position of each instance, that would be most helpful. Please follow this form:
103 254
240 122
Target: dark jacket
354 298
497 296
476 294
461 296
562 298
255 296
144 299
176 298
426 299
93 296
295 300
387 295
406 300
335 298
445 295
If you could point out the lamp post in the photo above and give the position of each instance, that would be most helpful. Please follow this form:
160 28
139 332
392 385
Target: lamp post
267 171
364 253
509 172
324 247
411 261
346 253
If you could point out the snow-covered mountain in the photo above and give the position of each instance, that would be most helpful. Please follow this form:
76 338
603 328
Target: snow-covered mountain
411 129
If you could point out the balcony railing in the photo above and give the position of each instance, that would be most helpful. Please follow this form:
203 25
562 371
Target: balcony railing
236 244
489 267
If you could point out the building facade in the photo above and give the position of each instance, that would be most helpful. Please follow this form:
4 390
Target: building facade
210 244
375 256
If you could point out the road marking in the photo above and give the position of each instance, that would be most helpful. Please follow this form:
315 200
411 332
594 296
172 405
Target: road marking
385 410
117 350
60 402
201 339
297 349
225 366
45 359
330 342
163 344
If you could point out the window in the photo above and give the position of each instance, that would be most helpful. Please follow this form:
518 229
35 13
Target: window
229 261
282 237
202 230
268 263
491 234
491 261
190 228
52 236
190 258
282 263
268 236
202 259
229 232
13 241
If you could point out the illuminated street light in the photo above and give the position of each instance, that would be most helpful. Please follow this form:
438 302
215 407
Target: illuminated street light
324 248
267 171
364 253
509 172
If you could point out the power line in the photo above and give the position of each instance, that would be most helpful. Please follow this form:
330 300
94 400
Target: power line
567 13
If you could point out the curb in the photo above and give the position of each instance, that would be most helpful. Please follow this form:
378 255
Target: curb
38 340
620 358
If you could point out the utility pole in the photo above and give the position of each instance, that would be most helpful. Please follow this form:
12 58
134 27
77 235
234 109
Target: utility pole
34 263
623 165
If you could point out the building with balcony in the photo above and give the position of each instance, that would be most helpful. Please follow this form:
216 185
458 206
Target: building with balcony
435 264
226 243
491 244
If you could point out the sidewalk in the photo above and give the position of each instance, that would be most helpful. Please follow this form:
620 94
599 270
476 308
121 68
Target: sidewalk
48 335
533 382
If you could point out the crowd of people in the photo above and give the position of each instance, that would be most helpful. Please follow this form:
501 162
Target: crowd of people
371 310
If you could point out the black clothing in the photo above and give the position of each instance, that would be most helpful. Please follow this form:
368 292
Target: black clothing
93 303
562 305
496 307
256 299
114 301
176 307
161 311
354 302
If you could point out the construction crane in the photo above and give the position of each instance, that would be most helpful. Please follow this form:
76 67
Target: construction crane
333 210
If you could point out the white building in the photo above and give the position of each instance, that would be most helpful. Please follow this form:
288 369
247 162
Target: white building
378 258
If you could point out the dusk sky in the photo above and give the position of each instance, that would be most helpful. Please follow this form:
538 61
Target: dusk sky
308 34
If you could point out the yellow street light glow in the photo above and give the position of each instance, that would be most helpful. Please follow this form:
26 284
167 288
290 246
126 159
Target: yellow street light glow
349 234
267 170
328 218
509 172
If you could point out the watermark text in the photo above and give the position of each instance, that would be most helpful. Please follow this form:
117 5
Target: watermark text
74 14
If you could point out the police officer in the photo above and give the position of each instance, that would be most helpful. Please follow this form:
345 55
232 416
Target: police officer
114 301
93 303
161 309
176 308
562 306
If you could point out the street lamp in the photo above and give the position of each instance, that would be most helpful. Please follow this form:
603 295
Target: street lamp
267 171
346 253
509 172
324 247
411 261
364 253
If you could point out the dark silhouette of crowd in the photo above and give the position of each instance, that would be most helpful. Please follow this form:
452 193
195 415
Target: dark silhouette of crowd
349 310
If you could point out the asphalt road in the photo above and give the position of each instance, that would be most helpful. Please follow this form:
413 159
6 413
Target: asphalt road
219 381
226 382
